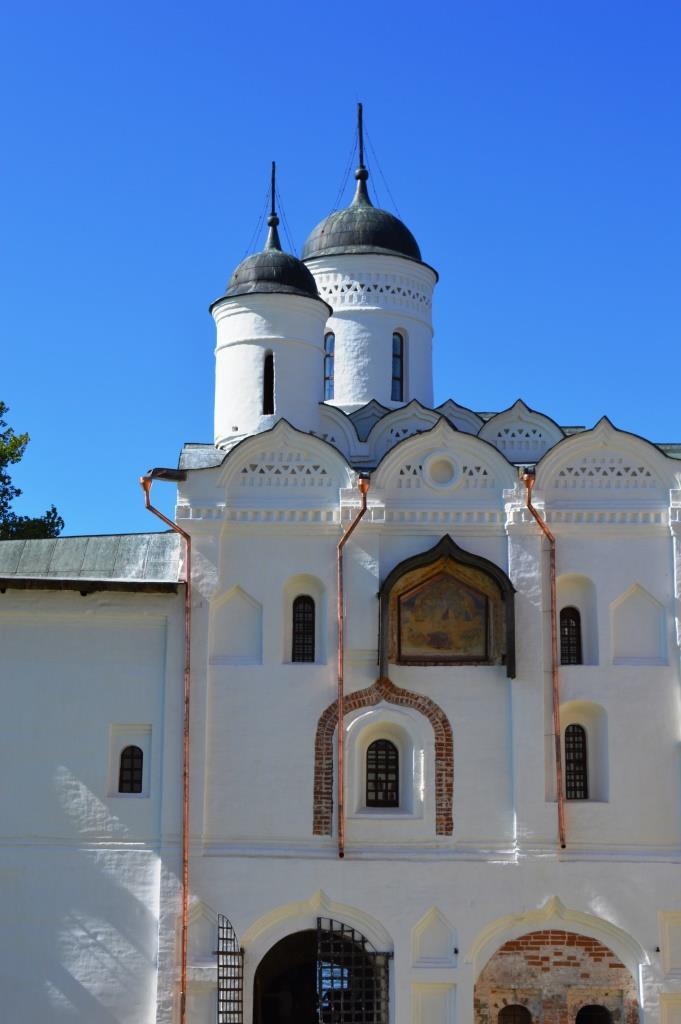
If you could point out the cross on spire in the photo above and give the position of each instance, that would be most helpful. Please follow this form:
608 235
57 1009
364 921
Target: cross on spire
273 221
361 174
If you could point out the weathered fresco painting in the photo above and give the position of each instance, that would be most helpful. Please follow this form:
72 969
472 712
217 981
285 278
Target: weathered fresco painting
443 617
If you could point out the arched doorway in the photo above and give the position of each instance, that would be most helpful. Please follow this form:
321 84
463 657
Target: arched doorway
329 976
593 1014
514 1014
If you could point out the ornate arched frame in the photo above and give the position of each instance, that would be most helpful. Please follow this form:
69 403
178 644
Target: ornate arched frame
448 548
383 689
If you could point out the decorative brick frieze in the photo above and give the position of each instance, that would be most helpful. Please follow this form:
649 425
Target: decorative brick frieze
554 974
383 689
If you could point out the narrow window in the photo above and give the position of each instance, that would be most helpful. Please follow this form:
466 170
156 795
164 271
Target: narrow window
514 1014
570 637
302 633
382 775
398 368
576 778
130 772
268 385
329 353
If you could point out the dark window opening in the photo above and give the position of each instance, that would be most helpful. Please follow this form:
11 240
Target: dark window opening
398 368
268 385
382 789
576 779
329 355
303 628
593 1014
570 637
130 772
514 1014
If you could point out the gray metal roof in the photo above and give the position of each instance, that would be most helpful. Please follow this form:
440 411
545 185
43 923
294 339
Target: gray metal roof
125 558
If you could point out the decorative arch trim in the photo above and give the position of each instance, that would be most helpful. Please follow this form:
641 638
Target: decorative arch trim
447 548
383 690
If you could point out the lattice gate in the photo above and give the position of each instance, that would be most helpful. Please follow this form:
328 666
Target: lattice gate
230 974
352 977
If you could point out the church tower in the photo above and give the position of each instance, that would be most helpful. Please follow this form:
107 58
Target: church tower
367 265
270 336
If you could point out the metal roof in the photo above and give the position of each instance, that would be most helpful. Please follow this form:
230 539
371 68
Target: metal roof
143 558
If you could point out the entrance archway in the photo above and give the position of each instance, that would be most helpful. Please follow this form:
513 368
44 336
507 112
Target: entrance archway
329 976
594 1014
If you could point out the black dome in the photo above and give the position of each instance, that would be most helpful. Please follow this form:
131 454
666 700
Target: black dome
361 227
271 271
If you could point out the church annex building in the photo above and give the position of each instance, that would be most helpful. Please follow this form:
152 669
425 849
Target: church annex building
386 731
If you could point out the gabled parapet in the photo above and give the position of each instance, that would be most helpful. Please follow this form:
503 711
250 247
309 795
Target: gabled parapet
521 434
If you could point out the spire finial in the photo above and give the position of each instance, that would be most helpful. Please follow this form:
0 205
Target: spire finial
273 221
361 174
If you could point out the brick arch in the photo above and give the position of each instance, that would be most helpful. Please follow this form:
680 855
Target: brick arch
383 689
554 974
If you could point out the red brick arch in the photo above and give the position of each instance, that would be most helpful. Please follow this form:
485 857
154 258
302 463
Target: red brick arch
383 689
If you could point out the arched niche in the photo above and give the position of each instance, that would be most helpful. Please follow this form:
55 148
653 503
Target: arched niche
433 941
297 586
236 629
576 591
594 720
447 606
638 629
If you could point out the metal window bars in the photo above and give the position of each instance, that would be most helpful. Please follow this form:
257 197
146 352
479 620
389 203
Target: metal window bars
352 977
230 1002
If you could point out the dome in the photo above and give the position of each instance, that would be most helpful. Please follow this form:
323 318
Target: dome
361 228
271 271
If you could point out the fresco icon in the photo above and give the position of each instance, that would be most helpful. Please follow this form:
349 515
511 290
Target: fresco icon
443 617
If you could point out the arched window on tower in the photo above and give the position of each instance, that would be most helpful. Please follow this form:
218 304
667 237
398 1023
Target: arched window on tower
268 385
329 354
303 629
398 368
130 770
576 768
570 637
514 1014
382 775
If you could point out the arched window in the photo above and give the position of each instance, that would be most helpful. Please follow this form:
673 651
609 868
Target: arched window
593 1014
329 353
383 788
130 772
268 385
514 1014
576 775
570 637
398 368
302 632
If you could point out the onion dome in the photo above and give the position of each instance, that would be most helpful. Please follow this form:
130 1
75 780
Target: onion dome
271 271
361 227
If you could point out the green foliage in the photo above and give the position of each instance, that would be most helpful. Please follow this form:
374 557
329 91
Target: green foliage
12 526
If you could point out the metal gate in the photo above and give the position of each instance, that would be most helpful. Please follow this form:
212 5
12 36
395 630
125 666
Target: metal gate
230 974
352 977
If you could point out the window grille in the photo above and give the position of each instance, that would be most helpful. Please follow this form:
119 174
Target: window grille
570 637
398 368
576 778
329 358
352 977
303 629
382 789
130 771
514 1014
230 974
268 385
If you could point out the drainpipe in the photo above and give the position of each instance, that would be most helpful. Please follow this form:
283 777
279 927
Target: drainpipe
363 485
175 476
529 480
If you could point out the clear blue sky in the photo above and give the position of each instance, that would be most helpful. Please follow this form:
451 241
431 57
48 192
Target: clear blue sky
534 149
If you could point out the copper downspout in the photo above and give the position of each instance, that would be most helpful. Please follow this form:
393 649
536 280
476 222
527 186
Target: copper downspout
146 482
363 484
528 480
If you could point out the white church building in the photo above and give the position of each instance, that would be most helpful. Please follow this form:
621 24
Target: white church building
385 728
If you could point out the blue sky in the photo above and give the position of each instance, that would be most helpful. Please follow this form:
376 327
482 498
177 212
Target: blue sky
533 148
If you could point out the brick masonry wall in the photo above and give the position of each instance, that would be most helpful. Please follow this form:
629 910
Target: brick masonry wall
383 689
554 974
